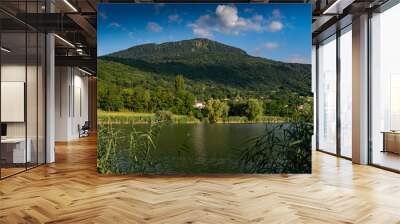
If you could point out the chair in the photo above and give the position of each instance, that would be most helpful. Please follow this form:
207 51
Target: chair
84 130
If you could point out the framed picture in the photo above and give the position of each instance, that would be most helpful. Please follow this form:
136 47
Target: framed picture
204 88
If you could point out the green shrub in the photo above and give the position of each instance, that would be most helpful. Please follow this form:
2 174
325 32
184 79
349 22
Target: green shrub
164 115
283 148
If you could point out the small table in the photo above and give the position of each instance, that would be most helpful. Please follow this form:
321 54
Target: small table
391 141
13 150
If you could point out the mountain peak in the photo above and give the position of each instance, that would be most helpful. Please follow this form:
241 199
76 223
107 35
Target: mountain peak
177 49
207 61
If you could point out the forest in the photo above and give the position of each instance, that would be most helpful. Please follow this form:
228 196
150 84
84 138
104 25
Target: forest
202 79
179 100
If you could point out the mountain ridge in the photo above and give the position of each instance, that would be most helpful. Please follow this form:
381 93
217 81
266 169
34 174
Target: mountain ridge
203 60
183 47
195 41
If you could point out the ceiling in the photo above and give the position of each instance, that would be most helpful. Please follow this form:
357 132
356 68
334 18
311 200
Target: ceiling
75 21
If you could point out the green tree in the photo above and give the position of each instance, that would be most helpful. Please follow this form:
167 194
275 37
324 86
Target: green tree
237 108
217 110
110 98
254 109
162 99
146 100
183 103
274 107
139 100
179 83
127 95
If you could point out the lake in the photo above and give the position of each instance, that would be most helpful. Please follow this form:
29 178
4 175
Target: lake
198 148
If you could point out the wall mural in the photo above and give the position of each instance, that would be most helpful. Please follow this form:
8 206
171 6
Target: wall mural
204 88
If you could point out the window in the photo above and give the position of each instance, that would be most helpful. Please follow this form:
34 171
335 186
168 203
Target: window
327 95
385 89
346 92
22 77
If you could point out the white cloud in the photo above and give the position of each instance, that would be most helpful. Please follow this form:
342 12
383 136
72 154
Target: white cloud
258 18
227 20
298 59
154 27
171 38
131 35
267 46
256 52
271 45
248 10
118 26
202 26
103 15
174 18
157 7
276 13
275 26
114 25
228 15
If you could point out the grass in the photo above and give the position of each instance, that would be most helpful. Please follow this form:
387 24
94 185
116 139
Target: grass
135 157
128 117
124 117
260 119
184 119
285 148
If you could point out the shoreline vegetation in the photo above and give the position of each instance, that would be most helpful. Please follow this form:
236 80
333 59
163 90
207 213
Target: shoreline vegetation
200 81
193 82
129 117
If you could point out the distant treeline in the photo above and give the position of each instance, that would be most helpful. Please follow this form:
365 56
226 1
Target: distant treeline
180 101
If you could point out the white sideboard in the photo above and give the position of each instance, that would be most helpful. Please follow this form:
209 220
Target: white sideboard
19 153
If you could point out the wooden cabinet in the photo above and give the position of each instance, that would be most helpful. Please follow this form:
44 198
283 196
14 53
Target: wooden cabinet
391 142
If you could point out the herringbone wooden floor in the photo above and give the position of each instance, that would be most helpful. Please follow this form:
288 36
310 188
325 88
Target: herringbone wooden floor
70 191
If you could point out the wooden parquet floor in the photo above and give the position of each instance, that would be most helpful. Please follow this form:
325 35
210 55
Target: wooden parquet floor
70 191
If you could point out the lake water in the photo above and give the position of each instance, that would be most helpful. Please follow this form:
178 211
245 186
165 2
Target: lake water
200 148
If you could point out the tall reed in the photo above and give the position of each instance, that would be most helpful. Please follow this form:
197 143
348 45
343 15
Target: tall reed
113 156
283 148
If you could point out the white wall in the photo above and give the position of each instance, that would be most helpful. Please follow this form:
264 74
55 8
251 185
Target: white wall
17 73
62 82
33 126
71 102
13 101
14 72
80 108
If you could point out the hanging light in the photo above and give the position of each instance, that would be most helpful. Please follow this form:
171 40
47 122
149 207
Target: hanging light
70 5
64 40
5 50
84 71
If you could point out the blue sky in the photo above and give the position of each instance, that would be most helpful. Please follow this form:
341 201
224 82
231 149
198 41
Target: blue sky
275 31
